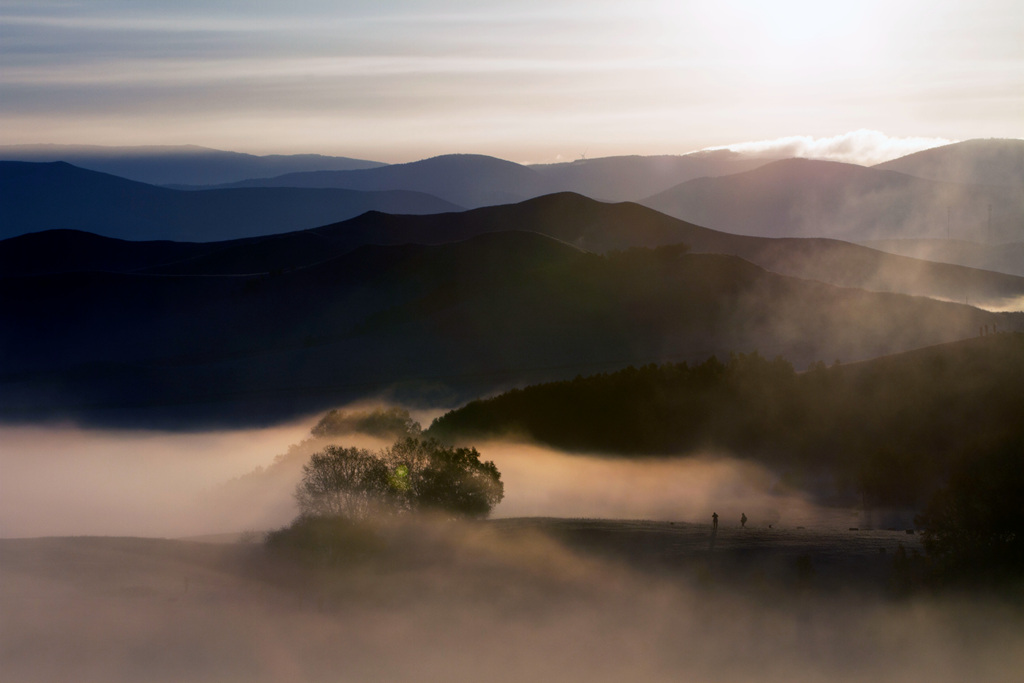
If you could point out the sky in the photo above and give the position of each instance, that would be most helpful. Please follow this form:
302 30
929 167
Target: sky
525 80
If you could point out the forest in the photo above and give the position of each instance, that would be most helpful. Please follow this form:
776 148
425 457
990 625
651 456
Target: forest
890 431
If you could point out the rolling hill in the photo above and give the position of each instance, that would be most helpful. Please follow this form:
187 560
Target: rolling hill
470 180
631 178
181 165
972 162
807 198
570 218
427 323
47 196
473 180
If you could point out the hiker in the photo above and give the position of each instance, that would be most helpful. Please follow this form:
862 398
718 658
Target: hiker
743 520
714 521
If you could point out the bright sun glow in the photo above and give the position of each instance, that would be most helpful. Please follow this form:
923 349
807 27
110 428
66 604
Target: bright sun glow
805 37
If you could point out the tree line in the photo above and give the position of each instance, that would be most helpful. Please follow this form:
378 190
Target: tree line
891 430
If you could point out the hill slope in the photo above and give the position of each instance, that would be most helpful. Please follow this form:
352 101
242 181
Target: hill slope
429 322
890 428
806 198
473 180
972 162
570 218
1000 258
631 178
182 165
36 197
469 180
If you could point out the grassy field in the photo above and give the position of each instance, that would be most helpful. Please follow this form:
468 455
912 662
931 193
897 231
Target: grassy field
506 600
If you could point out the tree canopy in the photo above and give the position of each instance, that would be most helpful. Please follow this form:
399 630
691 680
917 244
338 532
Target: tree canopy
412 475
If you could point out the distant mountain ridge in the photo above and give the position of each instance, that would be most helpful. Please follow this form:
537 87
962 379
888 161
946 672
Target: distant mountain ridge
46 196
474 180
807 198
470 180
996 162
179 165
570 218
631 178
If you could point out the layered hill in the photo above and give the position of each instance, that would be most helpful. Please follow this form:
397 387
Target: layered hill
569 218
473 180
430 323
469 180
46 196
181 164
631 178
808 198
972 162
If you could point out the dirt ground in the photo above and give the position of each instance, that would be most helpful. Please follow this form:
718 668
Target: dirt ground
525 599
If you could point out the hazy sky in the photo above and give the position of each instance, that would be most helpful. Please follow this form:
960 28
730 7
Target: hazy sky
527 80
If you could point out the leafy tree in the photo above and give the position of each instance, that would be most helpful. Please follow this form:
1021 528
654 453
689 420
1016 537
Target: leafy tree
412 475
343 482
429 475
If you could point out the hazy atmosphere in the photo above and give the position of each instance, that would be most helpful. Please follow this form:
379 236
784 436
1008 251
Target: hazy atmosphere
526 81
561 340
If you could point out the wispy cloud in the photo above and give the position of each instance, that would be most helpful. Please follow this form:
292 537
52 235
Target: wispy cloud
527 79
865 147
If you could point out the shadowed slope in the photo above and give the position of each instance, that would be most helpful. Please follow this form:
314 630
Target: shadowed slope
35 197
430 322
570 218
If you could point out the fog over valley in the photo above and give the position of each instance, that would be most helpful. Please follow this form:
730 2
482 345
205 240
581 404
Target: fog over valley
511 341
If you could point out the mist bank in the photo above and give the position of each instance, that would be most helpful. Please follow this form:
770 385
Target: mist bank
469 602
69 481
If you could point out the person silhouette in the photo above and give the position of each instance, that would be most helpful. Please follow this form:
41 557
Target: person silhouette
743 520
714 520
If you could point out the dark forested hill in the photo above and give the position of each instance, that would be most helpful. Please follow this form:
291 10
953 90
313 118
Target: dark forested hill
890 428
429 322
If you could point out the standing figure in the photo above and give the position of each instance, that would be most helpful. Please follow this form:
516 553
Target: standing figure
714 521
743 520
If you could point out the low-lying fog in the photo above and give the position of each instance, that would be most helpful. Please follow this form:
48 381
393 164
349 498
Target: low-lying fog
445 602
63 481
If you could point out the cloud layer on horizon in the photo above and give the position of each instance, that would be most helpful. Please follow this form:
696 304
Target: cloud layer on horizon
864 147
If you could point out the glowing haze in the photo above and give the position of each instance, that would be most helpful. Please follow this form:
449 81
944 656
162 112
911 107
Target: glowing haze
529 81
